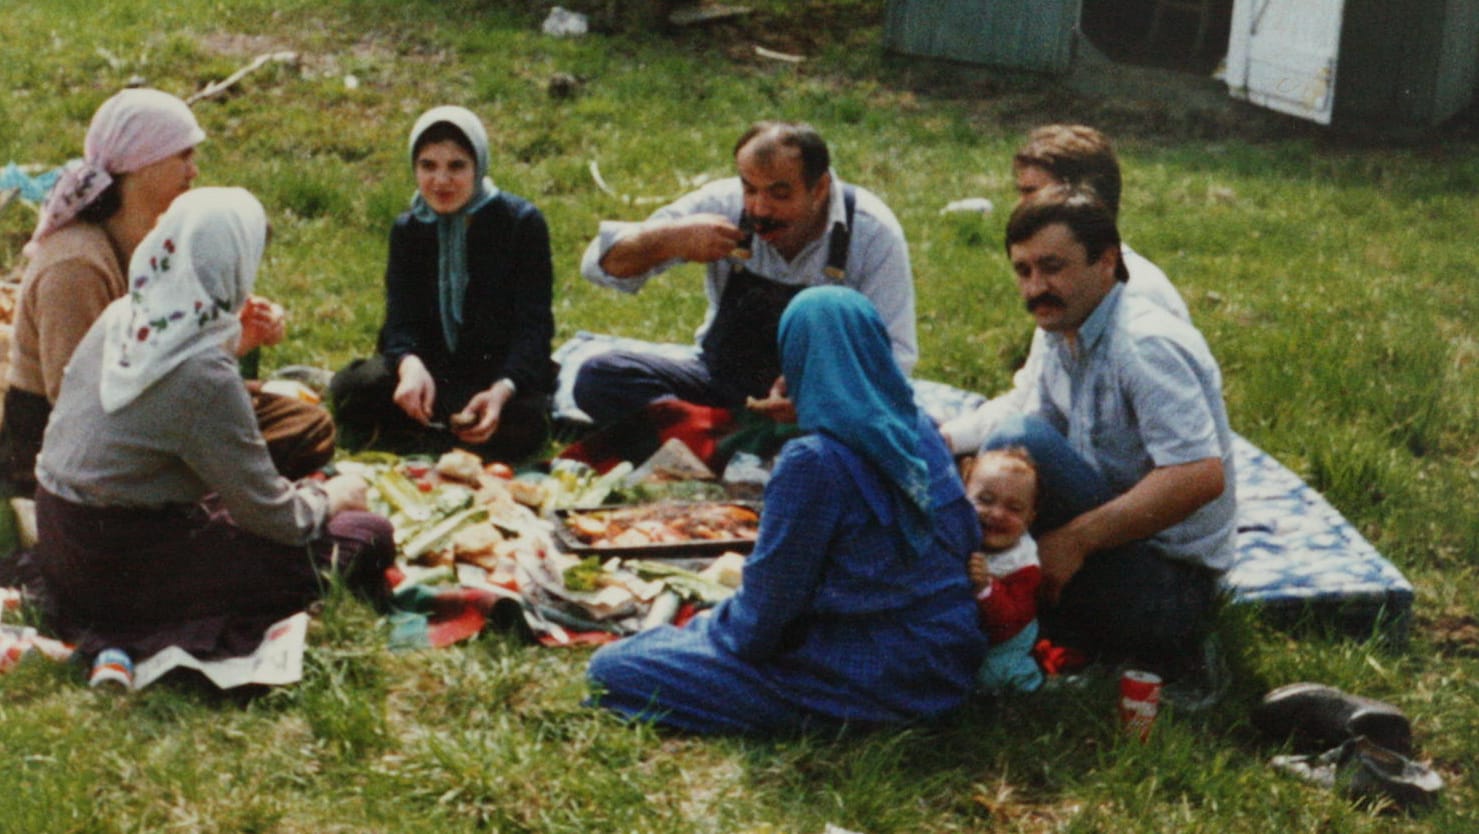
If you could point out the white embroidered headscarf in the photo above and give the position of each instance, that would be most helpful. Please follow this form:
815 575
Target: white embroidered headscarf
186 283
452 228
132 129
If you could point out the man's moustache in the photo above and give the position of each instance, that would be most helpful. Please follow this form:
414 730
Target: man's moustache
1041 300
763 225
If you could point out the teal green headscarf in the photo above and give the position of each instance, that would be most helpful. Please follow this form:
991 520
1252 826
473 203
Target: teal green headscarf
452 228
841 374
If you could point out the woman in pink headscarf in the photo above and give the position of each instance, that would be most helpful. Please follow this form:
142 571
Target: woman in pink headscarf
138 157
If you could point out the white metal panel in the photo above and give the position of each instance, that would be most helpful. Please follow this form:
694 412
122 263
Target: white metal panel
1282 55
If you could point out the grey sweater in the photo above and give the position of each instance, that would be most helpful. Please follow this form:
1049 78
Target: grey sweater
190 434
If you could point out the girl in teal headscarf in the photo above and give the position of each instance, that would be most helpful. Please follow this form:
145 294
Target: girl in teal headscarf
464 352
855 605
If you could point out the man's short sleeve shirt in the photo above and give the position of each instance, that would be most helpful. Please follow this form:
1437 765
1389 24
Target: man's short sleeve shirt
1140 390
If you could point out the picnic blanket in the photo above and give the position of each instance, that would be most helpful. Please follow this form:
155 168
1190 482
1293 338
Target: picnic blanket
1296 554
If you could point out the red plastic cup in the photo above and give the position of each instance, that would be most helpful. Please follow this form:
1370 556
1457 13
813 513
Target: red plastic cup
1140 700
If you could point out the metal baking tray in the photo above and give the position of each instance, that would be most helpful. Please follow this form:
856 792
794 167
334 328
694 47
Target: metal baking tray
571 542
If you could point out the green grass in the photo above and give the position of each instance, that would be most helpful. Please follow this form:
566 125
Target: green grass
1334 281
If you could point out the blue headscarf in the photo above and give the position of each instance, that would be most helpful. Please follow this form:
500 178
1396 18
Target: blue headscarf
841 373
452 228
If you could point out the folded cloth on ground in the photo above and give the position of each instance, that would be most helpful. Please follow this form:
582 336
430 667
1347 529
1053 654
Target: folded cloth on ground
32 188
1297 554
428 616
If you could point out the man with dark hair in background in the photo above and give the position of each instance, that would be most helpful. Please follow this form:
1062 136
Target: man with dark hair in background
1077 155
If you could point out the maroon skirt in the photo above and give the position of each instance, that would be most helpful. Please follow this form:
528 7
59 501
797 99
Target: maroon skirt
143 579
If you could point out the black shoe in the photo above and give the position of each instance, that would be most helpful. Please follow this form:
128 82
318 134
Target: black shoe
1362 769
1320 717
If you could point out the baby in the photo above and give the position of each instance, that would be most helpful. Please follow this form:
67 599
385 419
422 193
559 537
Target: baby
1002 486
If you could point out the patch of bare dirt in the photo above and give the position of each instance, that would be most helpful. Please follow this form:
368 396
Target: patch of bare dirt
1454 635
1152 104
236 45
366 52
1152 92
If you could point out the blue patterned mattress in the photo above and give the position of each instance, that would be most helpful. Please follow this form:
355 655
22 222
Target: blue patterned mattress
1297 556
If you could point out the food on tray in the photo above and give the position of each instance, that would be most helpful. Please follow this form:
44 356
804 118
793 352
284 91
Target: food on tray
474 543
528 493
638 526
460 465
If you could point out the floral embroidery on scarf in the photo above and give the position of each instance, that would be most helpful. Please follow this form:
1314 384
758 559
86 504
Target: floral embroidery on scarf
195 266
203 311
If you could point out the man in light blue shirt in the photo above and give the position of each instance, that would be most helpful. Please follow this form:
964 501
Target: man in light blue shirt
1062 154
1130 434
786 222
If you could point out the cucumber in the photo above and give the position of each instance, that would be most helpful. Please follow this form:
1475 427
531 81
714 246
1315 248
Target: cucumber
434 535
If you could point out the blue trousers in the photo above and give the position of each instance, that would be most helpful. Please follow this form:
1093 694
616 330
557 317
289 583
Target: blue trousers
612 385
1127 603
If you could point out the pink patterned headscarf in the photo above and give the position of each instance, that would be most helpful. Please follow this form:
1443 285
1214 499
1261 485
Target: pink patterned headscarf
132 129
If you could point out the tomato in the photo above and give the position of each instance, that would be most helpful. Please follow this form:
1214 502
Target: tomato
417 469
500 470
425 486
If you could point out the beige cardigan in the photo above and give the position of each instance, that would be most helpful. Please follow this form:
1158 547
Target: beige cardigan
75 275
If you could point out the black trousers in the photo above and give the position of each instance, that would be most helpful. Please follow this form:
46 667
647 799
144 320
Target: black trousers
362 398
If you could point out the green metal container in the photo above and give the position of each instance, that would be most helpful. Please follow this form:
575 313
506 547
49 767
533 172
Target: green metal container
1034 35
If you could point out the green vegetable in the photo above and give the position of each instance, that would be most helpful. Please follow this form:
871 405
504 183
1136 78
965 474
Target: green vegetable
449 498
429 538
403 496
685 583
654 491
595 492
373 458
584 575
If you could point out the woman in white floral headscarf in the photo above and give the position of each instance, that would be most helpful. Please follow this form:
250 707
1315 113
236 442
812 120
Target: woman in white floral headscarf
161 518
139 155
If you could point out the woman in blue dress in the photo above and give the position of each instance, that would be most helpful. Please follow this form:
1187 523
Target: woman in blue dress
855 606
